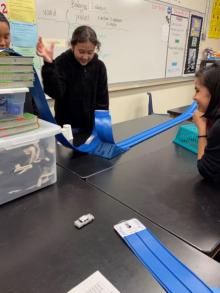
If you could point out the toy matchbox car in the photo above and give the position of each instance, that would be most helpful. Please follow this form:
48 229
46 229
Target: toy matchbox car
84 220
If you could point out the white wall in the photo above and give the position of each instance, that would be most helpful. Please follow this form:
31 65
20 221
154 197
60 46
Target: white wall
130 104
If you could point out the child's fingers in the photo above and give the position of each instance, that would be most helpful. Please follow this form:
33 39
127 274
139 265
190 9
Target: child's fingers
39 54
52 46
40 41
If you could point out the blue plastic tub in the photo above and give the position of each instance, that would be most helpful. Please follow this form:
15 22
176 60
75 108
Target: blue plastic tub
187 137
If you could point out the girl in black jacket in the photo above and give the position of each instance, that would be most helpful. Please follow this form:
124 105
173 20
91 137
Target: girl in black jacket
76 80
207 119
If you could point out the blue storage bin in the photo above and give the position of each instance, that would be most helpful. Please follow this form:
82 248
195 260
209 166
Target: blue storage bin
187 137
15 103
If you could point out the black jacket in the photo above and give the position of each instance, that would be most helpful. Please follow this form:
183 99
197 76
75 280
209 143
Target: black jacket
209 164
77 90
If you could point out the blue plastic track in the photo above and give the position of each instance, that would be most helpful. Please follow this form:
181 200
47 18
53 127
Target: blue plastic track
101 142
170 272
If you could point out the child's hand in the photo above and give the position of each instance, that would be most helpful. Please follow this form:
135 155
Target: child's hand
200 121
46 53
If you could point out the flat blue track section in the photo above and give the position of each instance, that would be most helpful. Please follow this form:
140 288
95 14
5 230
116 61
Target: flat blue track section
169 271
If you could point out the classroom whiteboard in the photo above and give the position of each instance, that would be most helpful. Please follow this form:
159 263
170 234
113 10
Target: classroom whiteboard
196 5
134 34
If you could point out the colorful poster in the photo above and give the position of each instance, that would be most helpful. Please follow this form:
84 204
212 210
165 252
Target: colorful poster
214 26
176 45
196 27
193 44
23 34
3 8
24 11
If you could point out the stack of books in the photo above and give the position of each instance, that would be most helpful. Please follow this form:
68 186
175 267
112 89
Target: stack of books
15 71
11 125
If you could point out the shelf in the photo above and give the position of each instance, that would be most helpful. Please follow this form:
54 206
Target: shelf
14 90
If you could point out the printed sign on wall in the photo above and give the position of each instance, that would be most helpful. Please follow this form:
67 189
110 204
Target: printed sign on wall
193 44
214 27
3 8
